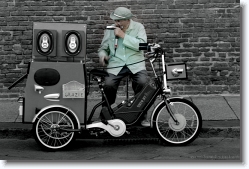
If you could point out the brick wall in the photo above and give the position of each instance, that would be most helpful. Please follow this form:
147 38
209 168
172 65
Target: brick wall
203 33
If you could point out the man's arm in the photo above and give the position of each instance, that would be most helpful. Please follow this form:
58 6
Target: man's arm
133 42
103 51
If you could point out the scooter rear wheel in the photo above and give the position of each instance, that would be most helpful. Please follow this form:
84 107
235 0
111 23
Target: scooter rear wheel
188 126
48 129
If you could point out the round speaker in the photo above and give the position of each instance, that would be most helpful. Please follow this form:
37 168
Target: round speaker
47 77
73 43
44 42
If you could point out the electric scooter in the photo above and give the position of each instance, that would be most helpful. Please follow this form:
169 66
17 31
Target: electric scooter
176 120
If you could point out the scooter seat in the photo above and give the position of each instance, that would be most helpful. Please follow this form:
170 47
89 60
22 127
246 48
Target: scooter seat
99 73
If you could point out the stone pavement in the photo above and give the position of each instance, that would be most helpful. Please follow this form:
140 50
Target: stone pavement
221 116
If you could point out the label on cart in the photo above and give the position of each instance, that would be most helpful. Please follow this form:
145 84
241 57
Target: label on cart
73 89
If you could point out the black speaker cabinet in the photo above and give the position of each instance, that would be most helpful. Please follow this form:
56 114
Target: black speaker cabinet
53 41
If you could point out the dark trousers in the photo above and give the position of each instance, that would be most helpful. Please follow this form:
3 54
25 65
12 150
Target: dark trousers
139 80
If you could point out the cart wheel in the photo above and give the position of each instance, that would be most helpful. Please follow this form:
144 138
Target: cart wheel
188 126
48 129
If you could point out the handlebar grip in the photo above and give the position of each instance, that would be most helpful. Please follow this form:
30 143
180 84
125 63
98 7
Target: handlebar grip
143 44
143 47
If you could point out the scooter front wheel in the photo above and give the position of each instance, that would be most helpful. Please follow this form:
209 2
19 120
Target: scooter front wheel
48 129
187 127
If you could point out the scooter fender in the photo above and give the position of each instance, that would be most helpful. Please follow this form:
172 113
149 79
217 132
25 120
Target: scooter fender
51 107
157 106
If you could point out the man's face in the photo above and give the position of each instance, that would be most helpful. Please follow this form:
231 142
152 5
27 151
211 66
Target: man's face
121 23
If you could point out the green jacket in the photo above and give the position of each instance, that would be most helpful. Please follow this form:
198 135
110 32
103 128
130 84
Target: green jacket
127 51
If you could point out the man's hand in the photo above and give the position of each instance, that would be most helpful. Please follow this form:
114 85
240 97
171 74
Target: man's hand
119 32
104 60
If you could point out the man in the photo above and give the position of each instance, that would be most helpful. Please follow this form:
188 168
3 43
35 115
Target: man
120 47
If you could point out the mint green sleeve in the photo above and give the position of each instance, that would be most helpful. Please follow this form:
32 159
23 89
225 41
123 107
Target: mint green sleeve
133 42
104 49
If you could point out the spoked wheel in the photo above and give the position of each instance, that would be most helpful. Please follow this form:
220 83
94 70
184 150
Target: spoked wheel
48 129
187 127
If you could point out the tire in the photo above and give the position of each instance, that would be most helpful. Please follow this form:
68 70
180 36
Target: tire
189 117
47 129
